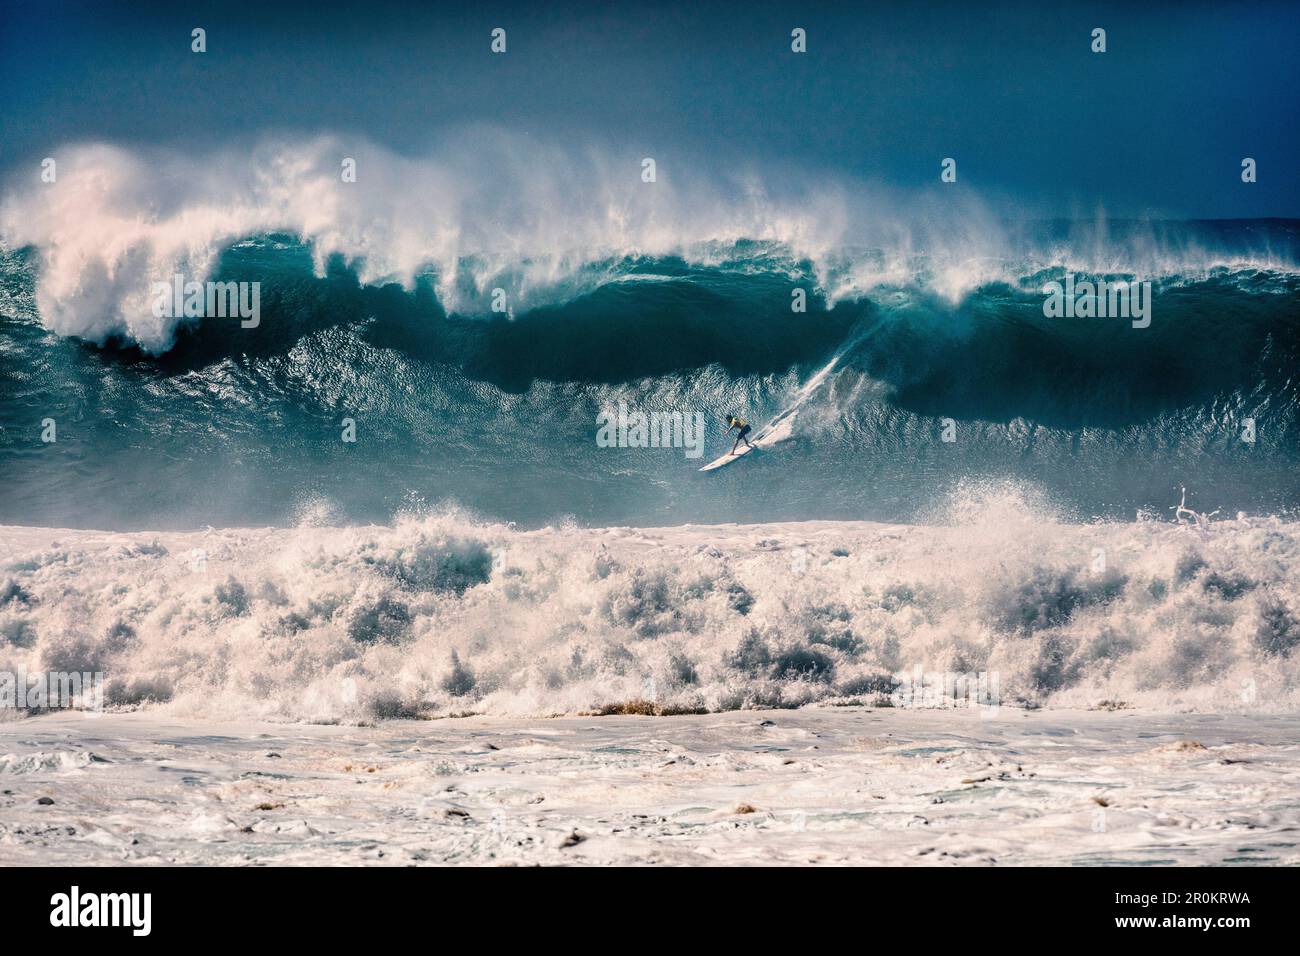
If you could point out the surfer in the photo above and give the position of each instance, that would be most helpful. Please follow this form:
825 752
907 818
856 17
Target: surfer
734 421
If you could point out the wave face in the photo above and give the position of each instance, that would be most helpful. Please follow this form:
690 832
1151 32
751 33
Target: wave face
438 614
240 427
925 321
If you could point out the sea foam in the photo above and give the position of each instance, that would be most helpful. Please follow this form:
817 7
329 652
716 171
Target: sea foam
489 209
440 614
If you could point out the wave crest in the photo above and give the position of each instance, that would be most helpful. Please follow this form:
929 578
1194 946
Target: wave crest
490 209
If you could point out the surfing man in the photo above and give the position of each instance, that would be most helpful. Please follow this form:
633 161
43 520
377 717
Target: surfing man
734 421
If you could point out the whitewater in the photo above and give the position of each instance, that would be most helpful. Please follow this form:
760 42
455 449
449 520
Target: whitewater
806 787
440 615
444 690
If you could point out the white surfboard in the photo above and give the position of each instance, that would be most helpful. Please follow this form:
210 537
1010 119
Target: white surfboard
728 458
781 427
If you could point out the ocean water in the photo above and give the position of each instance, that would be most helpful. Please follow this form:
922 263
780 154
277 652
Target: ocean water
224 550
816 786
231 427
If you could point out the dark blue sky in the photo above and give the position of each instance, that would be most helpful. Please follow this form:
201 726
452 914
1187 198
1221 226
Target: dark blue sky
1158 124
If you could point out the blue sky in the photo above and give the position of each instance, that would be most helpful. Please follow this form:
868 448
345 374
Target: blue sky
1038 123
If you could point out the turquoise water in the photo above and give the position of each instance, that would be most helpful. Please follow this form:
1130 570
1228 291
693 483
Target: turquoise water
237 427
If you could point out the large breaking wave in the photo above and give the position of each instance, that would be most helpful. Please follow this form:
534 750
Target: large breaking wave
673 296
231 426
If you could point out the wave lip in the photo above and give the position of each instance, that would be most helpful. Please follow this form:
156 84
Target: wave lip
441 615
117 220
490 210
